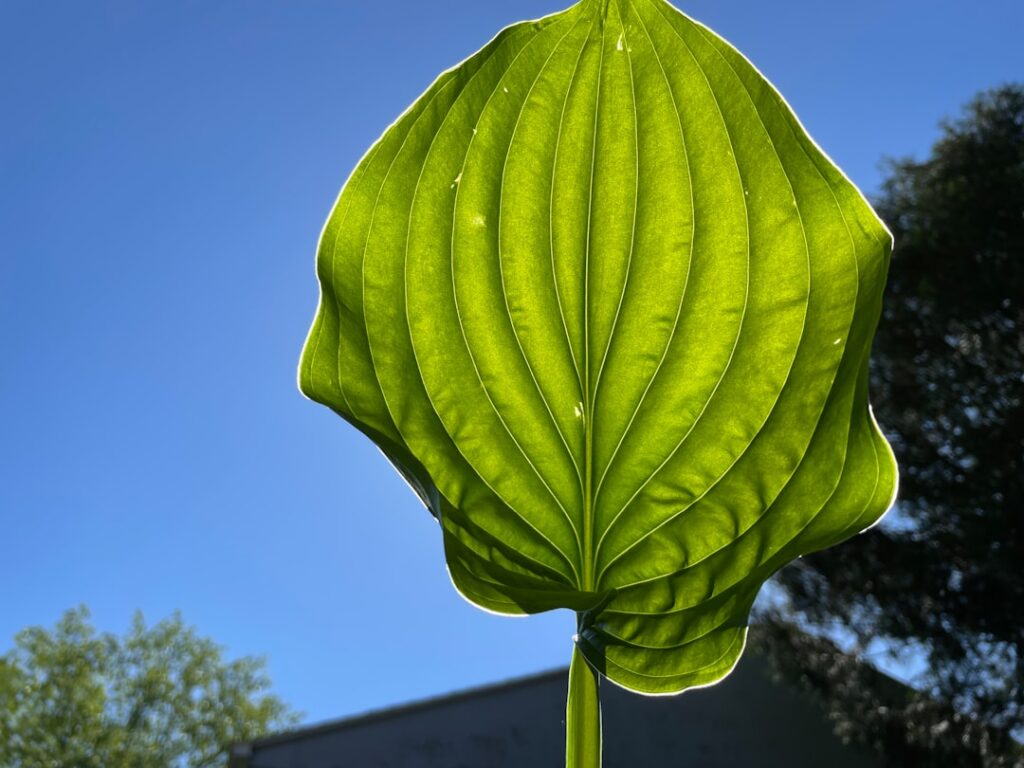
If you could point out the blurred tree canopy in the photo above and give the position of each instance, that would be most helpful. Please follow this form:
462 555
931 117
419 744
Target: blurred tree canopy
942 579
161 696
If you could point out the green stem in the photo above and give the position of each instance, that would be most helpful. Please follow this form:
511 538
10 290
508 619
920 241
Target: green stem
582 715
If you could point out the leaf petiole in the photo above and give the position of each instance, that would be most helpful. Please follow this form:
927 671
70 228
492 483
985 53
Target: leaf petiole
583 715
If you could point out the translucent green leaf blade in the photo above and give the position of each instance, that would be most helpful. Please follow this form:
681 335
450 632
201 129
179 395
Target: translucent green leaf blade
608 309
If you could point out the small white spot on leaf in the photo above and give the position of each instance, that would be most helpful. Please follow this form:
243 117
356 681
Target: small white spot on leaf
619 46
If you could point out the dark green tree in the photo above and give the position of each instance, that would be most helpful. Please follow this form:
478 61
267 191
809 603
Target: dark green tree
161 696
943 577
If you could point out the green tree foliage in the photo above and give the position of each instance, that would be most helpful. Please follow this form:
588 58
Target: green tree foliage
945 577
161 696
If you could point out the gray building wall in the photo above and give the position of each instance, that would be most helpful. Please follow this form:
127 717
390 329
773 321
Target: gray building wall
747 720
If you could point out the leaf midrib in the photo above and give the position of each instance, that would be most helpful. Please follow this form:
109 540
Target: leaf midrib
588 564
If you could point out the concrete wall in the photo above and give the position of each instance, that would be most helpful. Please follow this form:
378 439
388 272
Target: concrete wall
748 720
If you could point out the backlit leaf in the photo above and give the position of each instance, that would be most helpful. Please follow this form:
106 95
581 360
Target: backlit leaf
608 309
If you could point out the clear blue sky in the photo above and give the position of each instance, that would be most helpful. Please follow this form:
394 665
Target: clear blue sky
165 168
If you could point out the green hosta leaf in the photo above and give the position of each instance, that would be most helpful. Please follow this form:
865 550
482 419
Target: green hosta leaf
608 309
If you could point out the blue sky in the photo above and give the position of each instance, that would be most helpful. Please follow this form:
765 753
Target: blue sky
165 168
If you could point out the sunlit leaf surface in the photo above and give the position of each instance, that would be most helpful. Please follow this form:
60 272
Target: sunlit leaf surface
608 309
